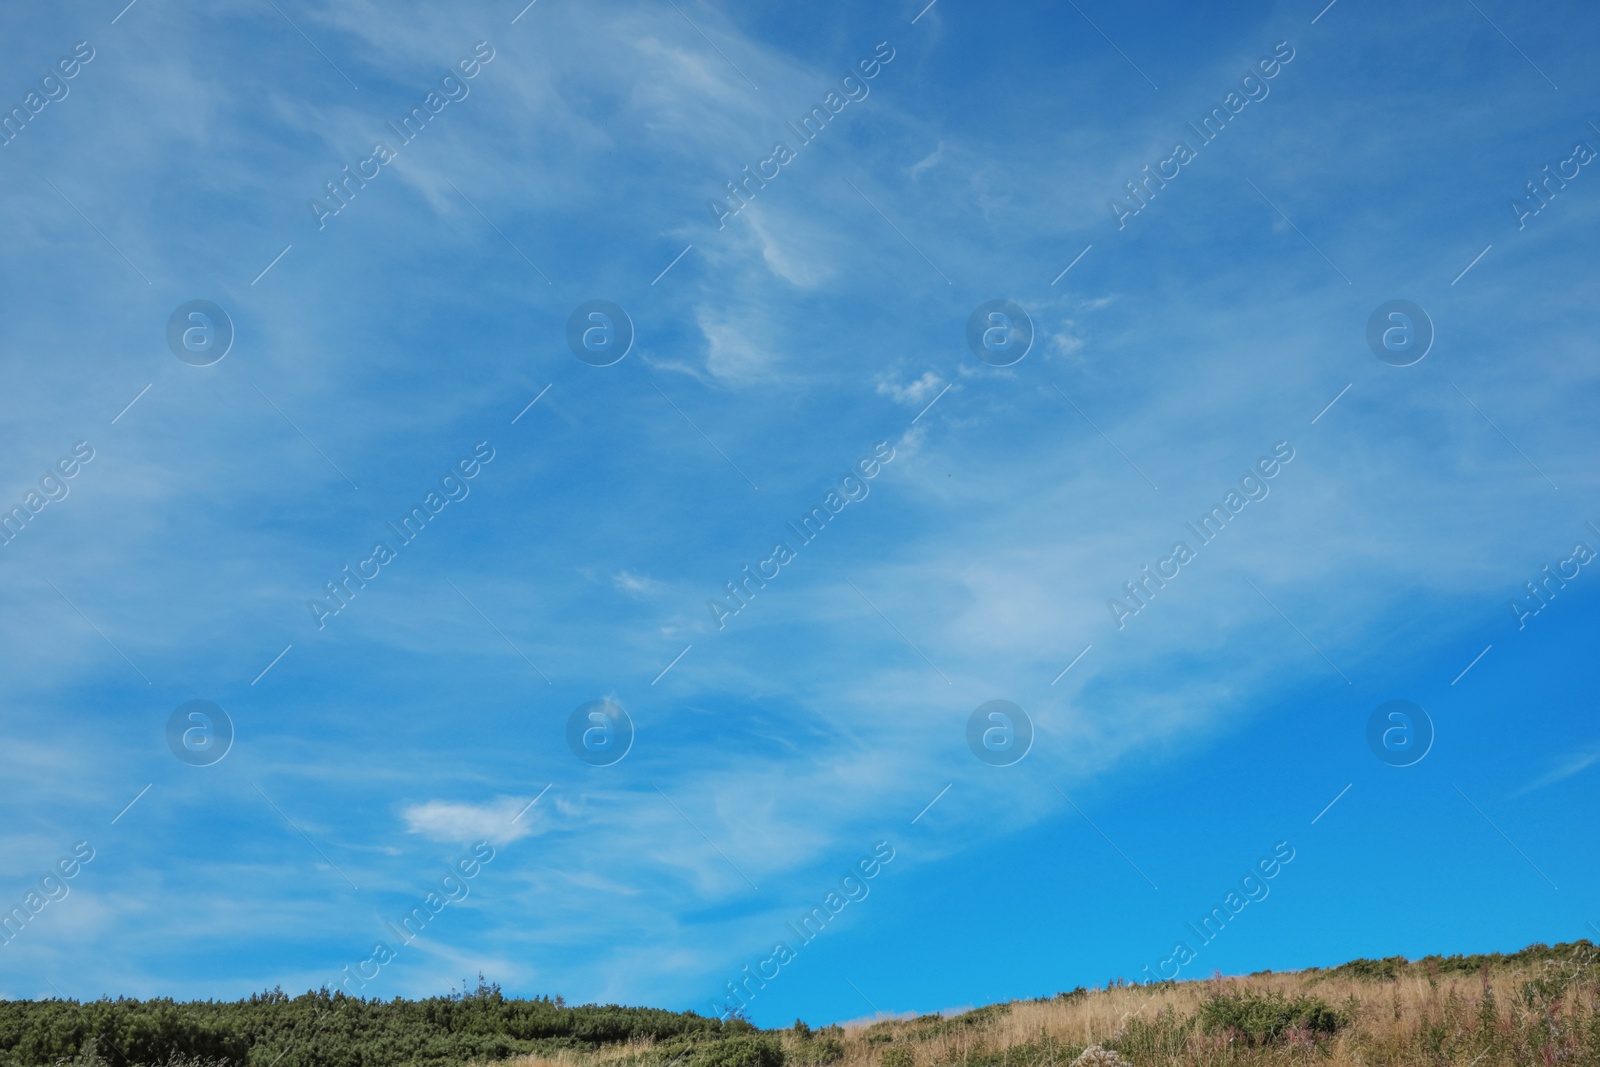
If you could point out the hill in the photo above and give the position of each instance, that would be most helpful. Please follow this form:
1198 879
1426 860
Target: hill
1539 1007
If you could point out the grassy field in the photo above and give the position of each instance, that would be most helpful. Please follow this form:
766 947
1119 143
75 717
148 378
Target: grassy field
1536 1008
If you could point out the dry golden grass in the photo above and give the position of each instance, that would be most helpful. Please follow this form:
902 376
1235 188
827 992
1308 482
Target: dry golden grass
1408 1021
1542 1010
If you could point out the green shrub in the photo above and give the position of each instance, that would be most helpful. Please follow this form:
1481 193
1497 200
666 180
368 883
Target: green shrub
742 1051
823 1049
897 1056
1266 1019
938 1025
1159 1040
325 1029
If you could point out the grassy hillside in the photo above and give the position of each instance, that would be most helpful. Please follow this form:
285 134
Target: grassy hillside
1536 1008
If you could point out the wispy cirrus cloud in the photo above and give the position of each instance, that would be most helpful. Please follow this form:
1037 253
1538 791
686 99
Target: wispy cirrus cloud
456 822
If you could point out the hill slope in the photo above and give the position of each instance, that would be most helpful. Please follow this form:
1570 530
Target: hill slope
1536 1008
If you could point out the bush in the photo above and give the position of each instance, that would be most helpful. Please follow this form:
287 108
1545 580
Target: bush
897 1056
820 1050
739 1052
1266 1019
1163 1039
1387 969
325 1029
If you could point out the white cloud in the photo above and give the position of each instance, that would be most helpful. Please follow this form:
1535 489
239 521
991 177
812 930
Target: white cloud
1064 341
913 394
1573 764
926 161
636 585
454 822
732 352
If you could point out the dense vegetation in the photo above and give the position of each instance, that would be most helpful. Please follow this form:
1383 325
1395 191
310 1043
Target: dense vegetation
1536 1008
323 1030
1393 967
1264 1018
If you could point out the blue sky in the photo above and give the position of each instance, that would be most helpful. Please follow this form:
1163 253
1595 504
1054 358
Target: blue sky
375 351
